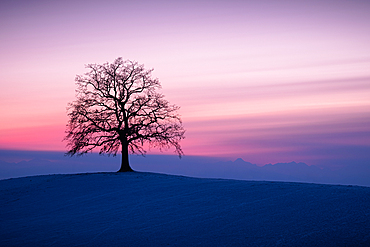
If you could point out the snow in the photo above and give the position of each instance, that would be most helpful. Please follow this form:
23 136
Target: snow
28 163
151 209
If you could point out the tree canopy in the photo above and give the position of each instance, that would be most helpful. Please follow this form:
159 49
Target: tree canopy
118 108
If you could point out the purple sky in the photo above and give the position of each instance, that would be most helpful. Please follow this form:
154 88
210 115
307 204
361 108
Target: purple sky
267 81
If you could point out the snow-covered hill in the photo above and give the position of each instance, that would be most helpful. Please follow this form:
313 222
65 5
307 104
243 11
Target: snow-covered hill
29 163
148 209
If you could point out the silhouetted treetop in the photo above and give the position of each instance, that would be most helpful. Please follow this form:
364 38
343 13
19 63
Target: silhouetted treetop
117 108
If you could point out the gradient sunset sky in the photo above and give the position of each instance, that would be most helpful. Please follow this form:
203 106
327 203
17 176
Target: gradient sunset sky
267 81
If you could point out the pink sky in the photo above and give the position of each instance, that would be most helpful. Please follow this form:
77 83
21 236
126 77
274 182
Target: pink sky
268 81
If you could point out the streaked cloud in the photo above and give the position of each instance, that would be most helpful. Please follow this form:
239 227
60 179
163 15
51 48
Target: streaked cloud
265 80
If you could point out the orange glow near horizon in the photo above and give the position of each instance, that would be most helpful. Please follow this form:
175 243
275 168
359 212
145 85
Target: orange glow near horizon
260 80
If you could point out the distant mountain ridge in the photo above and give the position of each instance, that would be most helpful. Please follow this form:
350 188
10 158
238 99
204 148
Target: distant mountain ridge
42 163
292 171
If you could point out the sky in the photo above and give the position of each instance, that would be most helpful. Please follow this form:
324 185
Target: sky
267 81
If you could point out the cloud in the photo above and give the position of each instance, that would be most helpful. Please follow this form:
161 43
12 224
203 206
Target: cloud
303 136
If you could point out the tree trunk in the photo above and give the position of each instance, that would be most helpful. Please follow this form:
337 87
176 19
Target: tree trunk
125 166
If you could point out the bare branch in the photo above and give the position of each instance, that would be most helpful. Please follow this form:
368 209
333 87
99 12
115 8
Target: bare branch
117 106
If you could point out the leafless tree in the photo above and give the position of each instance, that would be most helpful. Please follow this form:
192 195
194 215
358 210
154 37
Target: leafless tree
118 109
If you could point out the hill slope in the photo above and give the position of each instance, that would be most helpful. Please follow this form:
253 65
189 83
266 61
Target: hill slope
141 209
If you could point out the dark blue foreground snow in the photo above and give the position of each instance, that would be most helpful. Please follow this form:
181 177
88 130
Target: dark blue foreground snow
146 209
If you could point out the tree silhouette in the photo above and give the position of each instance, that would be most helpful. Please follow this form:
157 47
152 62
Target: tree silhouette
117 106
